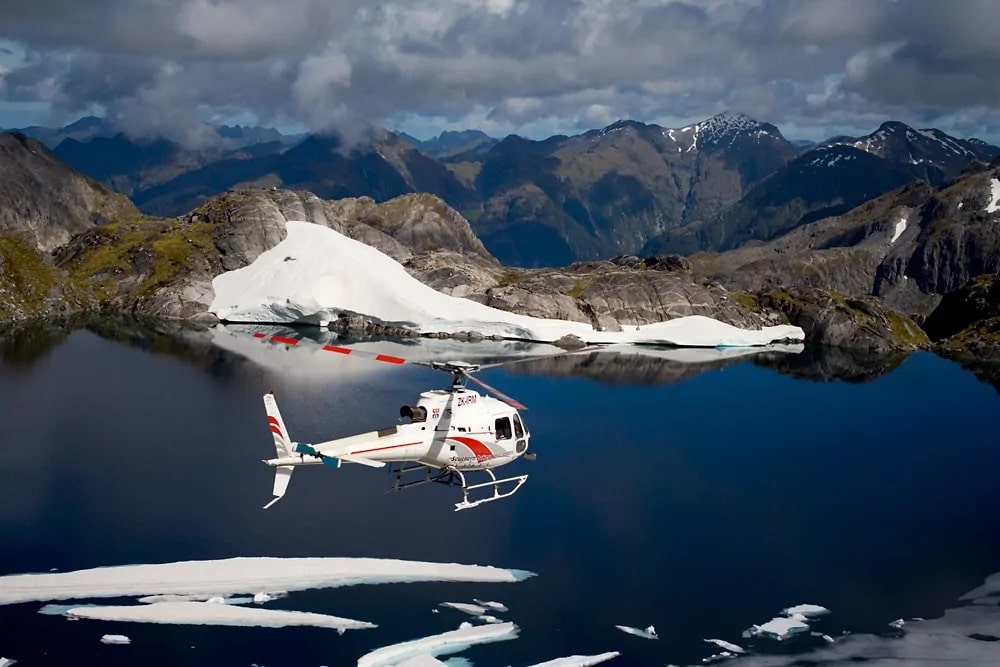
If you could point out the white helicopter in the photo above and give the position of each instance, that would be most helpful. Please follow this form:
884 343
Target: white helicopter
451 432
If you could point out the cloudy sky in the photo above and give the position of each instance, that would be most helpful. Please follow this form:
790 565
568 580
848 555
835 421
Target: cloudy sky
532 67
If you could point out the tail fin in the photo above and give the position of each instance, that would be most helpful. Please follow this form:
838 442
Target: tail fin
283 445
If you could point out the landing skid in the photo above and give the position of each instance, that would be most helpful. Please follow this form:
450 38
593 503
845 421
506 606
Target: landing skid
453 477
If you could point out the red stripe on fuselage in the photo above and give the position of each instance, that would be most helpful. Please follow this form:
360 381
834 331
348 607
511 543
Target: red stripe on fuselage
389 360
258 335
338 350
378 449
478 448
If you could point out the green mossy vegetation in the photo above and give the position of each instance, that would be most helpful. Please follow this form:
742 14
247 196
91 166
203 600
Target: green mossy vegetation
508 278
26 274
154 250
578 288
746 299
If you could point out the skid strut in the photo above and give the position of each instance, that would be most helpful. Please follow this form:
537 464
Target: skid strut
454 477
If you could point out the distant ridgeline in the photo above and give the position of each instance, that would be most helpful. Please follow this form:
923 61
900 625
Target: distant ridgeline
629 188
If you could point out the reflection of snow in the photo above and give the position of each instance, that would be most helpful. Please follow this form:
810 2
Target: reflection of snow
239 575
579 660
115 639
335 274
454 641
648 633
309 360
209 613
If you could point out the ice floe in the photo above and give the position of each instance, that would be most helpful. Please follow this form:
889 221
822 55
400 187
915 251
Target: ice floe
238 575
261 598
807 610
779 628
488 618
115 639
579 660
648 633
208 613
7 662
333 274
793 620
495 606
445 643
728 646
466 608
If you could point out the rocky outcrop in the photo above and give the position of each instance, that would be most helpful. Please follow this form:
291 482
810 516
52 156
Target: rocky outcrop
164 267
45 200
966 324
830 318
908 248
611 296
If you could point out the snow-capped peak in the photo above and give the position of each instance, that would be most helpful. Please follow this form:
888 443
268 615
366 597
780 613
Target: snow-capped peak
900 142
722 130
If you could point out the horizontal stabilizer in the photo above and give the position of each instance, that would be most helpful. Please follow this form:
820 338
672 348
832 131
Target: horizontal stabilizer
361 461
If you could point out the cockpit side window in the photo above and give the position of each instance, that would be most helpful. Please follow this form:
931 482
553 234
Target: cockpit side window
518 427
503 428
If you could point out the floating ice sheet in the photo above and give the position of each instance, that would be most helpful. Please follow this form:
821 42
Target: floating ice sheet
494 606
209 613
579 660
648 633
807 610
115 639
7 662
465 607
779 628
454 641
238 575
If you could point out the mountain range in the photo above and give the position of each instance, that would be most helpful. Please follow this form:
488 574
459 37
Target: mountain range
628 188
863 280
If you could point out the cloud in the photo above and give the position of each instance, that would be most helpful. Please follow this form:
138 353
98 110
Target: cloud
519 65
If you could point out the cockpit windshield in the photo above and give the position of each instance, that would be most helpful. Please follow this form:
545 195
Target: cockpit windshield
519 429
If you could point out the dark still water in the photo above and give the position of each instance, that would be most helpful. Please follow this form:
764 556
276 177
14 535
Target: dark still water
701 498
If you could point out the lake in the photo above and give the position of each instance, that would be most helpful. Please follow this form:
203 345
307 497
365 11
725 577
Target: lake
700 493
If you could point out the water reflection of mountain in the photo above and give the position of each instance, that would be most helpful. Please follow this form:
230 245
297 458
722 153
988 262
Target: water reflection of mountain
821 363
645 365
22 348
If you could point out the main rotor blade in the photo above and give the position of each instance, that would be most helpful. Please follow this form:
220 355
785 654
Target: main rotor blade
496 392
336 349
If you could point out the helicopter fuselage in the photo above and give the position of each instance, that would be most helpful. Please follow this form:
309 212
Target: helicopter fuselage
457 428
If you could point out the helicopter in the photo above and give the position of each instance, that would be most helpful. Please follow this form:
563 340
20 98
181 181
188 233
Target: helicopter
450 434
